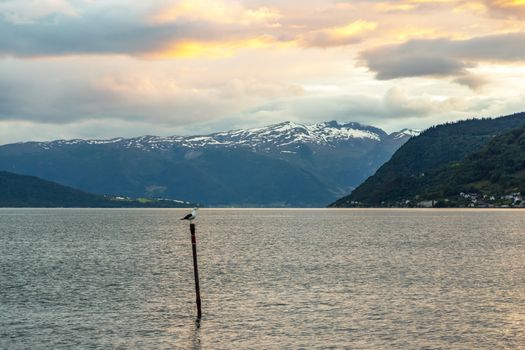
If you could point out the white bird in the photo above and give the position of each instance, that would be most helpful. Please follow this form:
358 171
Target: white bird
192 215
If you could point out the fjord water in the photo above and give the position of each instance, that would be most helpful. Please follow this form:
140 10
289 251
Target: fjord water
357 279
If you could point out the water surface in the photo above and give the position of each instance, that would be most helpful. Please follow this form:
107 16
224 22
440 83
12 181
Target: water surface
272 279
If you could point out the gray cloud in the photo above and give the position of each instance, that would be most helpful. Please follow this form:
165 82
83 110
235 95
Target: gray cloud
8 98
474 82
393 111
74 101
394 107
96 33
62 91
444 57
391 65
324 39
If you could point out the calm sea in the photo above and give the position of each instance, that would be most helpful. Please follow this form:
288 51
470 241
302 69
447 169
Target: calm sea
270 279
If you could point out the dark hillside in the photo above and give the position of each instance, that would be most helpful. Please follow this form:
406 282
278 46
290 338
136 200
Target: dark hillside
437 147
30 191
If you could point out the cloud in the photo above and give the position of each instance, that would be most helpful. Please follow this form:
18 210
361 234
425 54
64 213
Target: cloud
444 57
167 29
337 36
218 11
97 33
474 82
506 8
395 110
28 11
176 28
60 93
208 28
395 107
498 8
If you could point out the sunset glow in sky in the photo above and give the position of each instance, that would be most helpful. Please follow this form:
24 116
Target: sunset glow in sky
109 68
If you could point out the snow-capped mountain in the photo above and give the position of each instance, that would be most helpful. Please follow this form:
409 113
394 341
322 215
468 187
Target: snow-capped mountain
280 135
285 164
290 133
406 133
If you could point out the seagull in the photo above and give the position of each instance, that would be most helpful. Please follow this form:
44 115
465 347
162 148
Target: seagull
191 216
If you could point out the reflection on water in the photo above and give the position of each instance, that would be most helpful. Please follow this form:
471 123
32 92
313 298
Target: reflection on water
361 279
196 339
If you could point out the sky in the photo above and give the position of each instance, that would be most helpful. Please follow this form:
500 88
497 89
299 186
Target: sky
122 68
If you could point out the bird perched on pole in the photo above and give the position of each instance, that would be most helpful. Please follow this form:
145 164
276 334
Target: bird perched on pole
192 215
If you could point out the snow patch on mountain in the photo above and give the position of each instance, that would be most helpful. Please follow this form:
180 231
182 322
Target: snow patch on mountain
406 133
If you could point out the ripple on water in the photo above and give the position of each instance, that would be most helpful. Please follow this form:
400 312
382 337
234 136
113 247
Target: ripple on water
360 279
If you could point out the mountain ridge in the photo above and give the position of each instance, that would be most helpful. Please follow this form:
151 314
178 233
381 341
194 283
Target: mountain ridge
321 133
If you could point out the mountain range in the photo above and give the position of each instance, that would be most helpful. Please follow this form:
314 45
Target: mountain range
285 164
453 164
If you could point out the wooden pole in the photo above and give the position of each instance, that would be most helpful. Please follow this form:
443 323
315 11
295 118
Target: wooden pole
196 270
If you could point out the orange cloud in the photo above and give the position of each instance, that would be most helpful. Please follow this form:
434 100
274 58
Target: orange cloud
412 32
407 5
216 11
391 7
512 3
222 49
327 37
337 36
430 1
508 8
471 6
